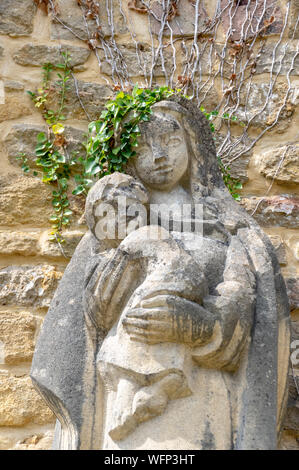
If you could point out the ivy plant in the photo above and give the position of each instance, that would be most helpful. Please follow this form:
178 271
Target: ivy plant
113 138
55 165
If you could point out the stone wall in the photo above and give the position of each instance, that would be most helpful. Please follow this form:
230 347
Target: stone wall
31 266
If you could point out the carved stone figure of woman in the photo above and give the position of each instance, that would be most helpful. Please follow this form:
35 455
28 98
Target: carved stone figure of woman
178 341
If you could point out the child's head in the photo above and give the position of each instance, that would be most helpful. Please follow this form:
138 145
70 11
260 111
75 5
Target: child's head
115 206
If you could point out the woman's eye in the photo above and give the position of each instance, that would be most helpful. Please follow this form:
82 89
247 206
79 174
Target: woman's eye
174 141
143 146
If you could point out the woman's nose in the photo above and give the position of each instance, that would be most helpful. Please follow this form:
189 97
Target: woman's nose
159 154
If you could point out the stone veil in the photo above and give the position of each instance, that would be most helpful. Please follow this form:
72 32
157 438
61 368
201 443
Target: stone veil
160 344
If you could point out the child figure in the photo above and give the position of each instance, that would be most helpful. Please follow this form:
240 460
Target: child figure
149 277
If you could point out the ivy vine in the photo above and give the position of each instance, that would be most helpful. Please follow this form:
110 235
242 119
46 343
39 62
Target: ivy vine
111 142
112 139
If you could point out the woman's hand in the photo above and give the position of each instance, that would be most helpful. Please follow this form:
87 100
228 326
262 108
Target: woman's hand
169 318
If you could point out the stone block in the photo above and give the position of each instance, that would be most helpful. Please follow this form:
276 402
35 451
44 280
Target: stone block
52 250
22 139
277 211
293 26
93 96
12 85
24 200
280 249
41 441
17 333
291 422
71 16
292 284
236 18
280 62
238 168
182 24
16 17
280 163
28 285
128 52
39 54
18 243
20 404
15 106
261 110
288 441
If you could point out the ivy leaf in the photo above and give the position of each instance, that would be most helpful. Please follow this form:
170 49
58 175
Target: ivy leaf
95 171
41 137
65 220
116 150
91 162
68 212
78 190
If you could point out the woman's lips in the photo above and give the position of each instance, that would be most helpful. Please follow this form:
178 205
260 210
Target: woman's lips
163 169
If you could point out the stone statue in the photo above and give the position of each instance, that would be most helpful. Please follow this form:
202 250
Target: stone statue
161 335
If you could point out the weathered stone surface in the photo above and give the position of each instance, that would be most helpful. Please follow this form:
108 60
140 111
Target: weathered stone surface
70 15
209 99
19 243
37 243
261 110
289 441
20 404
134 69
35 442
238 15
22 139
277 211
282 62
35 54
52 250
31 437
295 337
280 249
293 245
12 85
24 200
16 17
291 422
93 96
238 168
183 23
1 52
195 301
17 333
208 64
292 284
293 20
279 163
28 286
15 105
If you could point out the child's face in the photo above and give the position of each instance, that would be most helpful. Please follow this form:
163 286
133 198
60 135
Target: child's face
120 211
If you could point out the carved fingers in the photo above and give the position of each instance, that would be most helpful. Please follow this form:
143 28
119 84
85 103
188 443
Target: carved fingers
149 325
168 318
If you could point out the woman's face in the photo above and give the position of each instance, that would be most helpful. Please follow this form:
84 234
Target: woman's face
162 154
